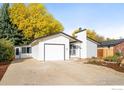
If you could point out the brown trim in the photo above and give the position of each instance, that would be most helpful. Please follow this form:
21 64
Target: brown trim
53 44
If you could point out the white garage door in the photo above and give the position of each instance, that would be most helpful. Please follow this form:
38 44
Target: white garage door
54 52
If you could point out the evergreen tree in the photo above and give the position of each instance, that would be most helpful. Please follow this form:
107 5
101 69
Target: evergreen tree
8 30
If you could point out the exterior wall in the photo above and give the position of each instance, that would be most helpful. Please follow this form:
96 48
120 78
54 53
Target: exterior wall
56 40
83 37
25 55
91 49
35 51
88 48
41 51
22 55
119 48
107 51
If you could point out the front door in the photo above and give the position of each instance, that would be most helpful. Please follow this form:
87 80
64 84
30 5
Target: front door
17 53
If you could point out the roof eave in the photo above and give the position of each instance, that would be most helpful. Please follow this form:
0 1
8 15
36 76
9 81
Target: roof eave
92 40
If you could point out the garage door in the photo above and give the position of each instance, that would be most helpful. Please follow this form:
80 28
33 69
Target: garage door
54 52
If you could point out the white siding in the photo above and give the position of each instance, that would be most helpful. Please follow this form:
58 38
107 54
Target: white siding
56 40
82 36
26 55
35 51
88 48
41 51
91 49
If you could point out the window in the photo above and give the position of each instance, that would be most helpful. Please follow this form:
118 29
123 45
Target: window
73 49
26 50
73 52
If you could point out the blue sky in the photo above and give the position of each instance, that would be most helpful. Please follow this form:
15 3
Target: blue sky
105 19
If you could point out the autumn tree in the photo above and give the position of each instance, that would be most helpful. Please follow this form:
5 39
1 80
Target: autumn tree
91 34
8 30
74 33
34 20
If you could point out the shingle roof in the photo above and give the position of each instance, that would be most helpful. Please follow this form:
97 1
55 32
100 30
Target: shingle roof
111 43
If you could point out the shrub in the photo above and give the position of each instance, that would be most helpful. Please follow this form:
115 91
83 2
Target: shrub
6 50
114 58
119 54
111 58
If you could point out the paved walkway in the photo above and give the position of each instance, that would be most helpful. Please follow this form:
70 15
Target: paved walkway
33 72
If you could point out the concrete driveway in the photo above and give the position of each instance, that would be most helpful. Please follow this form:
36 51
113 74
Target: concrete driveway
33 72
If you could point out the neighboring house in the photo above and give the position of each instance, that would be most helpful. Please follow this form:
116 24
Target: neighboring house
59 46
109 48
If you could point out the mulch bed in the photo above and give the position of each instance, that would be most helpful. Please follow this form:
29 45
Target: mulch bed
114 66
3 68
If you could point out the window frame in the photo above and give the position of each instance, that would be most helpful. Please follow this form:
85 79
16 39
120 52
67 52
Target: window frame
73 49
24 50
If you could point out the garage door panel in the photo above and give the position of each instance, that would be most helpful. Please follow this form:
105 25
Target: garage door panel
54 52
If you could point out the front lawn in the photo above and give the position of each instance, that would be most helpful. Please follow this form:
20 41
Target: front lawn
3 68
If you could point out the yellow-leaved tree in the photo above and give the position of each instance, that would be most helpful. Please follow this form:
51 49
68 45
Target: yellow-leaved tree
91 34
34 20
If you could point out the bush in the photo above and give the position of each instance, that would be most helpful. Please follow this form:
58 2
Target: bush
111 58
119 54
114 58
6 50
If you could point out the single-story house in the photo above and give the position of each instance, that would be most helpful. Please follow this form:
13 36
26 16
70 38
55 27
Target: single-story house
59 46
109 48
